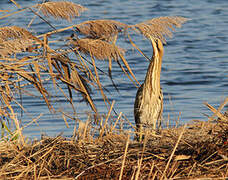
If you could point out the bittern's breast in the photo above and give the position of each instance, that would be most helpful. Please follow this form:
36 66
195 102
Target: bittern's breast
150 109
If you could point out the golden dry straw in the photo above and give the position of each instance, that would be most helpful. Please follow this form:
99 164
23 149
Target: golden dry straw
61 9
99 49
159 28
101 29
200 153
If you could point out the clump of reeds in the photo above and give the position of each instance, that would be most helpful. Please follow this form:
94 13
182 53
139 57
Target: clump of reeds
104 151
14 32
101 29
14 39
61 9
15 46
100 42
97 48
198 150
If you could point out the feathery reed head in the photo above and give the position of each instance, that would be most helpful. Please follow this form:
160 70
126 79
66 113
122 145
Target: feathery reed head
99 49
159 28
14 39
101 29
61 9
14 32
14 46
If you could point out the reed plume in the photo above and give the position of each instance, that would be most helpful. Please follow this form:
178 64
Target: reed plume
99 49
61 9
159 28
14 39
14 46
101 29
14 32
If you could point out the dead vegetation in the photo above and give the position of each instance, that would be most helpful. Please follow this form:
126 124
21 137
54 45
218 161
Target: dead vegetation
14 39
99 42
101 29
61 9
160 27
100 151
198 150
98 49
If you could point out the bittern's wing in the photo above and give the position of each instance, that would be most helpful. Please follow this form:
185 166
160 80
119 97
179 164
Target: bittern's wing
138 102
161 111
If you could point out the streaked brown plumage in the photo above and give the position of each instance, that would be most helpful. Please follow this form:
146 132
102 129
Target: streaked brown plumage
148 106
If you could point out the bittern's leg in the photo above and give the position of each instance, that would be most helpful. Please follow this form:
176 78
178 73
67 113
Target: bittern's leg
154 127
159 124
139 132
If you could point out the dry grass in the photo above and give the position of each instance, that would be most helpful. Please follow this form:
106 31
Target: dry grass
61 9
198 151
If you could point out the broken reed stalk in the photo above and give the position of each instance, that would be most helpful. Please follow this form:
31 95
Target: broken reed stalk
124 157
174 149
106 101
20 34
217 112
117 120
106 119
141 159
19 129
151 170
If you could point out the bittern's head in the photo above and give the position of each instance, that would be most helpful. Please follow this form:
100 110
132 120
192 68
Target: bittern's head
157 47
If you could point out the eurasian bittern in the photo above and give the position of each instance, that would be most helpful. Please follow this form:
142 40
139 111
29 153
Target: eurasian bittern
148 106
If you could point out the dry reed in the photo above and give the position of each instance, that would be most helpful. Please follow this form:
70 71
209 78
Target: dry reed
97 48
159 28
10 47
101 29
14 39
61 9
198 151
14 32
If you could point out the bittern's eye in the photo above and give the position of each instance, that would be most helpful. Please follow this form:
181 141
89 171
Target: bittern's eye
158 47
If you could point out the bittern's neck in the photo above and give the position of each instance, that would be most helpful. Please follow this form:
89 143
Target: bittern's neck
152 79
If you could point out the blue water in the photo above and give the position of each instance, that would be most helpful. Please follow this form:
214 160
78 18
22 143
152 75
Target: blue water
194 67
